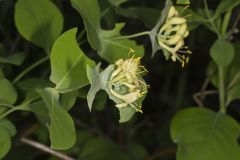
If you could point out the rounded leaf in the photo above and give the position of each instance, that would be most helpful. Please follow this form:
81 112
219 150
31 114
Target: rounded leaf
38 21
222 52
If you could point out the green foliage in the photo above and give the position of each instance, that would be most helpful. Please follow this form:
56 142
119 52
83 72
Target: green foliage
108 43
68 63
5 141
61 126
114 48
183 2
14 59
103 149
8 94
214 134
225 5
38 21
90 13
222 52
49 88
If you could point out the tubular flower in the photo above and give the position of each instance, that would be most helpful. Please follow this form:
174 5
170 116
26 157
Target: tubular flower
171 36
126 83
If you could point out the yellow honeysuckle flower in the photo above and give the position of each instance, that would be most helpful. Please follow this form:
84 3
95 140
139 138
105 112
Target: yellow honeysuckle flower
127 76
172 34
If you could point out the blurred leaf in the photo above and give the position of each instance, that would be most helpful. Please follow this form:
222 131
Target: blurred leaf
100 101
8 126
136 152
149 16
95 81
39 21
183 2
222 52
15 59
231 72
155 30
225 5
214 134
5 142
68 63
61 127
38 107
102 149
233 93
33 83
90 12
117 2
67 100
8 94
114 48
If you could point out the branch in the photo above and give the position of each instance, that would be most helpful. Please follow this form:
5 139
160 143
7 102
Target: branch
45 149
205 93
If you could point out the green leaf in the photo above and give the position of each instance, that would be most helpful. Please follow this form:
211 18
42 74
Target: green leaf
5 142
109 47
222 52
100 101
183 2
68 63
117 2
155 30
15 59
95 81
233 93
114 48
8 126
61 127
225 5
38 107
67 100
8 94
90 12
103 149
137 151
126 114
38 21
213 135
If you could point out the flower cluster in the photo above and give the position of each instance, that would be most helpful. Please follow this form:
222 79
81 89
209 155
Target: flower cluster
171 36
126 83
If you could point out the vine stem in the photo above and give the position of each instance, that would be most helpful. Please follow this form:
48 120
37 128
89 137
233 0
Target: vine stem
133 35
45 148
24 72
8 112
221 89
226 22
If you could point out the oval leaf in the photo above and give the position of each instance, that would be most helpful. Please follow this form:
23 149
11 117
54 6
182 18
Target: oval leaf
222 52
8 94
5 142
61 128
68 63
205 135
38 21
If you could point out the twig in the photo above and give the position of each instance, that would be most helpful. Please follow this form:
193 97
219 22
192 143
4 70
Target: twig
234 26
162 153
45 149
204 87
196 95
